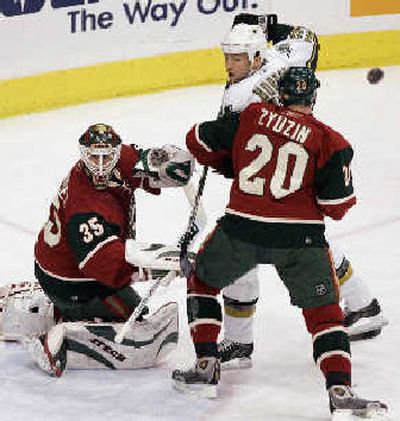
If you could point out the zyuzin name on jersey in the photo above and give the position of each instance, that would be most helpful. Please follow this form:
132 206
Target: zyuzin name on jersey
281 124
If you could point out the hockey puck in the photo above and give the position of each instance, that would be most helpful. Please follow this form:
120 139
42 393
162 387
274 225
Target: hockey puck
375 75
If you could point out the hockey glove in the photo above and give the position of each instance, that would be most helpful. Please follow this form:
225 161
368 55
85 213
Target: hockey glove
267 88
168 166
177 169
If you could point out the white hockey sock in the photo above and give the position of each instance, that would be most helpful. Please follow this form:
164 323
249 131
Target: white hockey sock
239 329
355 293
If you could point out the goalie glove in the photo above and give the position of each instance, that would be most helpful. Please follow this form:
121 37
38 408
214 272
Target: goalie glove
267 88
25 311
158 259
168 166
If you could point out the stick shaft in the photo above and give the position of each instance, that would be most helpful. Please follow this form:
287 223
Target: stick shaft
119 337
191 231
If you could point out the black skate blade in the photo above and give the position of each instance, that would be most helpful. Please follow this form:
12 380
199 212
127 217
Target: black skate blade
365 335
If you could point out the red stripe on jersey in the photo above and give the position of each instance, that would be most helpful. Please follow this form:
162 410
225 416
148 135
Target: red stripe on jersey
338 211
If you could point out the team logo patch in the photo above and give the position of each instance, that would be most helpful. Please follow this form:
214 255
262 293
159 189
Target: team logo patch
203 364
284 49
320 289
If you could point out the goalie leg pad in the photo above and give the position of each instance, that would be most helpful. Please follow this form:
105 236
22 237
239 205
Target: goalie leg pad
92 345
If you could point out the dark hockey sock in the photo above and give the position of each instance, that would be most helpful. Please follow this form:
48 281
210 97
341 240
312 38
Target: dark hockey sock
204 311
206 349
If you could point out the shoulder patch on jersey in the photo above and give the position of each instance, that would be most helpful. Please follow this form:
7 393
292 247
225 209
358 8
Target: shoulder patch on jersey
86 232
284 48
303 34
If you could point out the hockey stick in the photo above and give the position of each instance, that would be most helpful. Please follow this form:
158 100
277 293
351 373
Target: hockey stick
193 228
119 337
184 242
198 215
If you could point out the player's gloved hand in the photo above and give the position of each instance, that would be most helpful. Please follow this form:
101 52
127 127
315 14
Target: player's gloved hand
175 166
168 166
267 88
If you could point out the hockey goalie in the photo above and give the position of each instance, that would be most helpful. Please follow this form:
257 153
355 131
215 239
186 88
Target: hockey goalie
87 262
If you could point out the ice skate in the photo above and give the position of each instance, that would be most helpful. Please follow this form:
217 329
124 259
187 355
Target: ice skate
202 380
235 354
344 404
366 323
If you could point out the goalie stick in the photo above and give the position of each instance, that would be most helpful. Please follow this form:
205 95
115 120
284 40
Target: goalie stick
119 337
192 230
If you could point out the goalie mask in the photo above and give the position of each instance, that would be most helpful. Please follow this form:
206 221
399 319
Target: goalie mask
244 38
100 149
298 85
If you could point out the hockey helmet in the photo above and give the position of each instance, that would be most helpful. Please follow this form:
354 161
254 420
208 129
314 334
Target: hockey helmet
267 22
298 85
244 38
100 148
247 18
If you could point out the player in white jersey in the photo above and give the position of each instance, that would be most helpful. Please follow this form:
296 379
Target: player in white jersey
246 42
253 70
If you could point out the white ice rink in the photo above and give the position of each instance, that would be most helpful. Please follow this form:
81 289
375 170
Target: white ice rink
284 385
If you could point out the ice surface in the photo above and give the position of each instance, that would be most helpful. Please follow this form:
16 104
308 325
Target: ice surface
283 385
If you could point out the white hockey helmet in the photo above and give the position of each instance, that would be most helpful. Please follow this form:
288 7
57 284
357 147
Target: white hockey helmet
244 38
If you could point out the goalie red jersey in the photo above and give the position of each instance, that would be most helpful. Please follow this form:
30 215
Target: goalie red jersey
288 167
82 242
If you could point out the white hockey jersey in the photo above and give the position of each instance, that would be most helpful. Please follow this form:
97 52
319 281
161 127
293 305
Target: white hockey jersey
300 48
